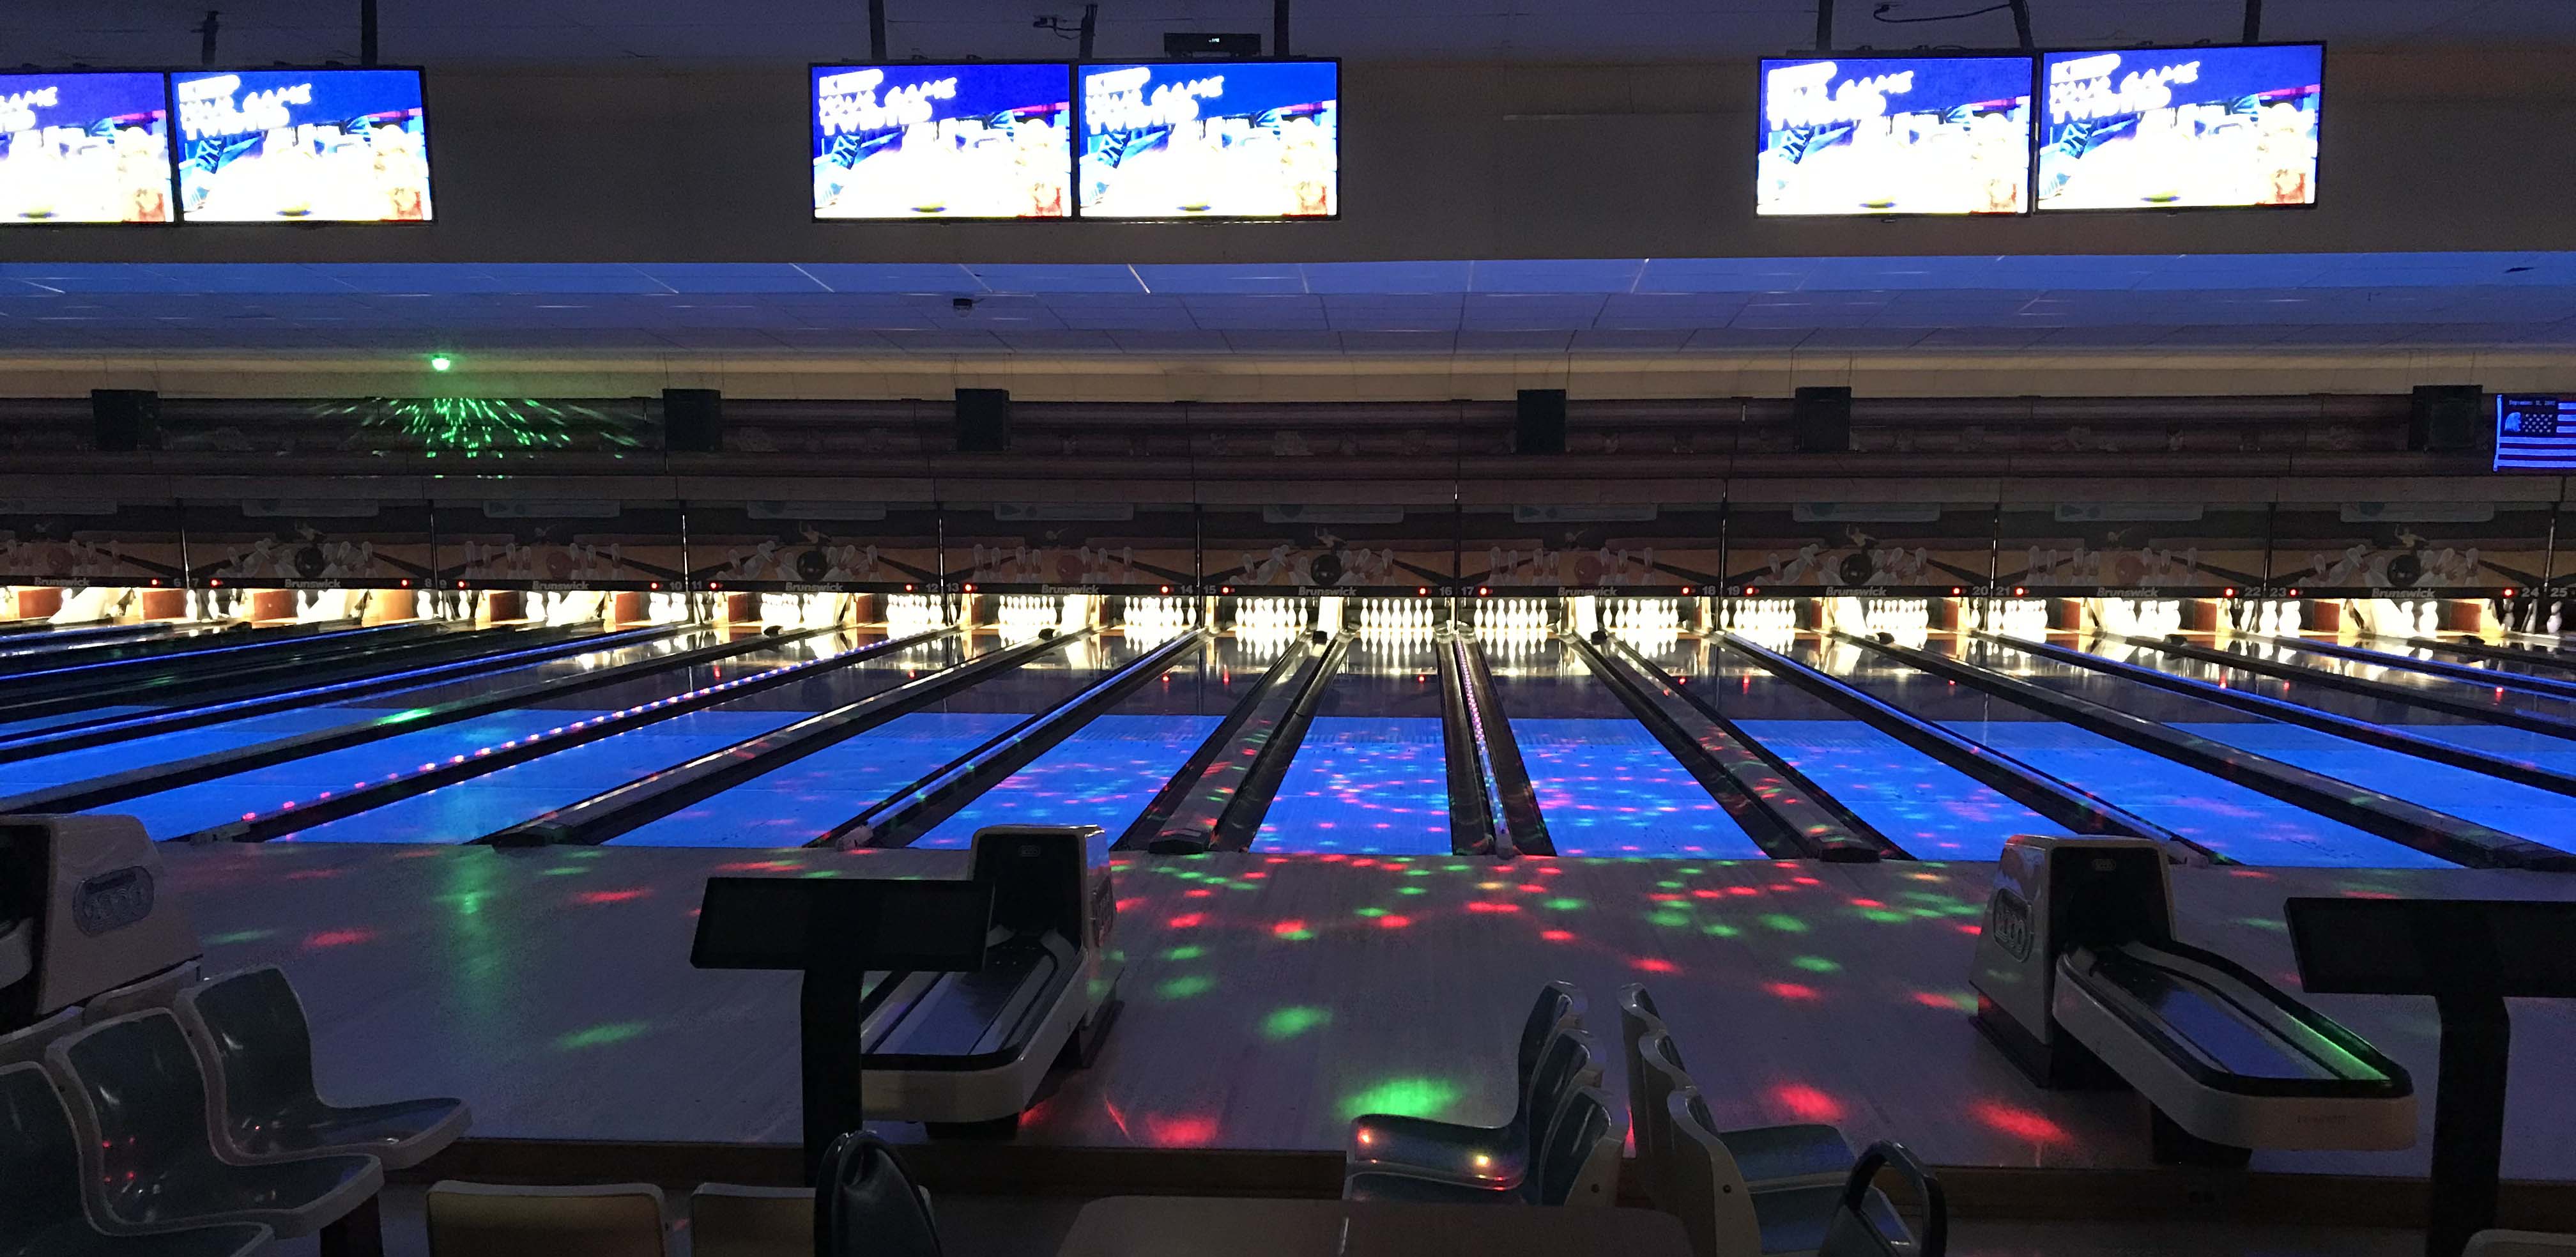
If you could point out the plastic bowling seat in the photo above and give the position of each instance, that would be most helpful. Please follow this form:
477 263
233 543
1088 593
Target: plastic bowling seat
1725 1216
41 1213
1392 1143
138 1102
2519 1244
1802 1153
489 1220
1860 1226
161 990
254 1044
26 1046
1577 1164
728 1220
866 1204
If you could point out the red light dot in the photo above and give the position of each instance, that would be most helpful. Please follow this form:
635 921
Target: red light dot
1187 921
1655 964
1393 922
1807 1103
1791 990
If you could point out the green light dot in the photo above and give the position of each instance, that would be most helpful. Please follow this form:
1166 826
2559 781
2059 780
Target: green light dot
1882 915
1288 1023
1370 912
242 936
1185 953
1184 988
599 1036
1410 890
1784 923
1720 929
1817 964
1668 919
1407 1097
1563 905
1668 885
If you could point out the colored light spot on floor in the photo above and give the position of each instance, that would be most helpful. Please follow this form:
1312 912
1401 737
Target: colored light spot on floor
1185 953
1959 1001
1817 964
1295 931
1288 1023
2018 1123
1402 1097
1668 919
1368 912
609 896
1185 987
1410 890
1564 905
1393 922
599 1036
1180 1132
1720 929
1188 921
240 936
1807 1104
1784 923
1791 990
1556 936
1656 964
339 938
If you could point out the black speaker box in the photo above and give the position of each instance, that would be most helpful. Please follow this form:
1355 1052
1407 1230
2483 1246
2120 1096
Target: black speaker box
983 420
122 418
1540 427
692 420
2447 419
1821 420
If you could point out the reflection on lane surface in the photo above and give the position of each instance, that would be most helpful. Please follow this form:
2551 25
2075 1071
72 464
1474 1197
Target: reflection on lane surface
1370 775
496 801
1111 768
2458 730
2232 820
1930 809
798 802
1605 785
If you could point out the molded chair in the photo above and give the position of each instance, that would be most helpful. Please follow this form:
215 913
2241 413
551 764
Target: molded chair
866 1204
41 1214
489 1220
1567 1065
158 991
1488 1155
139 1103
1577 1164
729 1220
1726 1217
2519 1244
252 1040
1860 1226
26 1046
1798 1154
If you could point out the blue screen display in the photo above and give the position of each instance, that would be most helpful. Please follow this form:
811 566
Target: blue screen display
257 146
942 141
1895 135
1239 139
2181 127
84 148
2535 433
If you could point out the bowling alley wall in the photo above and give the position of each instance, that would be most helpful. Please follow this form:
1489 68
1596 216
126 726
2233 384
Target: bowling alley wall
2203 497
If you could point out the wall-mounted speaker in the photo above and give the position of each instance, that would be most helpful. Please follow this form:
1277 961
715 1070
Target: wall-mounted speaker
2447 419
123 419
1821 419
692 420
983 420
1540 425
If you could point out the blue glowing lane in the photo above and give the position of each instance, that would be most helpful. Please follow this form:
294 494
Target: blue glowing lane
1373 784
164 748
1607 787
2232 820
1930 809
223 800
522 792
799 802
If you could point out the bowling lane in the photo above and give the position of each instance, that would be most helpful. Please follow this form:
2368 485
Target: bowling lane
801 801
2240 823
1930 809
2435 686
1111 768
99 761
2458 730
1605 785
522 792
1371 775
203 805
2516 809
2535 662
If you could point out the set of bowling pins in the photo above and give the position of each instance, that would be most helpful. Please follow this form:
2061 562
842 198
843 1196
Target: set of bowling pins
1159 617
2146 617
2418 618
1270 615
2014 617
1512 615
1382 616
1763 615
2266 617
907 614
1901 617
1647 616
1023 615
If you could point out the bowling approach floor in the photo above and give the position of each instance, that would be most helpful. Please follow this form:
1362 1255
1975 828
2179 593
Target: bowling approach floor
1270 998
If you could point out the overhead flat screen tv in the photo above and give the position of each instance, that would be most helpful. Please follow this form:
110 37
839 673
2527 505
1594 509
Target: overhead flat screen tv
984 140
84 147
1210 139
2177 128
2535 433
1894 135
310 146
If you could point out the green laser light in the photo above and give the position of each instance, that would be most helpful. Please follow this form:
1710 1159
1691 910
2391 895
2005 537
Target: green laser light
440 362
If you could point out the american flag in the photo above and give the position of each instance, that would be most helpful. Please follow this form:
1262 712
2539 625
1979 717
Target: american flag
2535 434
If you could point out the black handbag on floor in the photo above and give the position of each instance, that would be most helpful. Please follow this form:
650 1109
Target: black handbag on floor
865 1204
